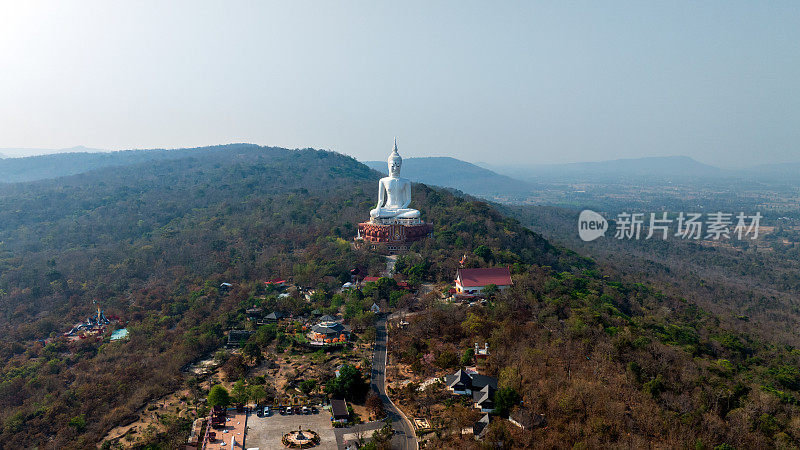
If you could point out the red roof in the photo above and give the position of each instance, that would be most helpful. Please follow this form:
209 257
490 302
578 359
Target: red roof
500 276
371 279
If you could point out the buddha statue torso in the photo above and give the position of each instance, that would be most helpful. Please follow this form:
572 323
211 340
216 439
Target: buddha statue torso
395 190
394 193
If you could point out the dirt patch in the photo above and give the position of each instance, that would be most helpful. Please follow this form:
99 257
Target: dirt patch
181 404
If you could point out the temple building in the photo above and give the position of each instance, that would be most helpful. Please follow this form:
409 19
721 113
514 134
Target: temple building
392 223
328 332
473 281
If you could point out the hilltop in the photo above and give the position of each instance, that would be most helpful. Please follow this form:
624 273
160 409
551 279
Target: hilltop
26 152
74 161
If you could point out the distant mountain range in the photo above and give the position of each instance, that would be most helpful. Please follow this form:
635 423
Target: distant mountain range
651 166
482 179
677 168
32 168
650 169
24 152
457 174
784 171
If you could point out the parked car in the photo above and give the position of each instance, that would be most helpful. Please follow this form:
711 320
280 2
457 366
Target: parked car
306 410
314 410
289 410
267 411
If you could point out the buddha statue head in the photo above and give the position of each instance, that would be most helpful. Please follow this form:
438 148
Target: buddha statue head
395 161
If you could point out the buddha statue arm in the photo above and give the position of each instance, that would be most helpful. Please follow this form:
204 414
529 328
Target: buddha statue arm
406 194
381 195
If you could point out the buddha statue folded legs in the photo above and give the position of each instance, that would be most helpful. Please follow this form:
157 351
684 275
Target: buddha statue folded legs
399 213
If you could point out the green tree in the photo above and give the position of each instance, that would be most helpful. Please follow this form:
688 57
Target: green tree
446 359
219 396
504 399
788 376
252 350
384 286
307 386
363 320
264 335
490 290
655 386
417 273
350 384
401 264
257 393
466 357
484 252
394 298
239 392
78 422
353 294
352 309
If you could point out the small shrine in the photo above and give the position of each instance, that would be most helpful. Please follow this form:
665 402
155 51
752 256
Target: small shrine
299 439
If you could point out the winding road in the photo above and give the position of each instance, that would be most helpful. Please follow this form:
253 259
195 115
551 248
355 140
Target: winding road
405 438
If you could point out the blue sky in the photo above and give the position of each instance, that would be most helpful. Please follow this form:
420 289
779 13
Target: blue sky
511 82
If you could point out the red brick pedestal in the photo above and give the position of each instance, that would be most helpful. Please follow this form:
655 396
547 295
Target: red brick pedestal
393 236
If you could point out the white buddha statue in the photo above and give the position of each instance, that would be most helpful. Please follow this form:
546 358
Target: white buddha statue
394 193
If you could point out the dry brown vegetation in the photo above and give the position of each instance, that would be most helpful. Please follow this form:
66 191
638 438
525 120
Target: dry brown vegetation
607 364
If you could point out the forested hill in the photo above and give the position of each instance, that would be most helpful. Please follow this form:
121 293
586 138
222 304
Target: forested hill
609 361
150 241
32 168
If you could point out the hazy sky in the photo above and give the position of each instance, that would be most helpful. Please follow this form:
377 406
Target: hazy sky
502 82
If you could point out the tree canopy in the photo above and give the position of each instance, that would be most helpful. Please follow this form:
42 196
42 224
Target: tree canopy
350 384
505 399
219 396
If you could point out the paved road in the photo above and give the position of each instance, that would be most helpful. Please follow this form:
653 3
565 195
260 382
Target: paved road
405 437
390 261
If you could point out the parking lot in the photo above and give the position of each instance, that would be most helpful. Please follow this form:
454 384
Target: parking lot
266 432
